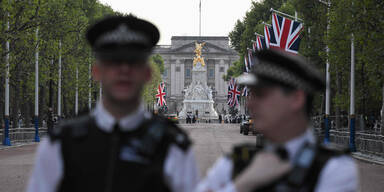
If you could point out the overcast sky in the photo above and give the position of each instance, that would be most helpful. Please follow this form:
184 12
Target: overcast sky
181 17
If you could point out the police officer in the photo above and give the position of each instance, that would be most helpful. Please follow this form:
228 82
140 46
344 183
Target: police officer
291 159
118 146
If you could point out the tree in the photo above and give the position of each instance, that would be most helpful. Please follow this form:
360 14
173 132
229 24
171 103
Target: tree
234 71
57 20
159 61
235 35
365 19
150 90
243 34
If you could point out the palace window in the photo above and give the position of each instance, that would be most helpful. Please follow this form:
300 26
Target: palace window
211 73
188 73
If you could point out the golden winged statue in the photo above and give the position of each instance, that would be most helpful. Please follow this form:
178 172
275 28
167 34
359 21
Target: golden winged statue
198 58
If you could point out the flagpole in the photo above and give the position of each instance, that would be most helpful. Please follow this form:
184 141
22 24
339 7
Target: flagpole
264 23
352 102
7 141
259 35
281 13
37 138
59 85
200 19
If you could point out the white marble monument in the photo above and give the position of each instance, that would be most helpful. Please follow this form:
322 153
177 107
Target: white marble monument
198 96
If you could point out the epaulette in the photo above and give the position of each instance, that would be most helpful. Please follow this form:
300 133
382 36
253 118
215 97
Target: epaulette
76 128
242 155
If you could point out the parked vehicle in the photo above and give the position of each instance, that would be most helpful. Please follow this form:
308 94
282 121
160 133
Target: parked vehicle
172 117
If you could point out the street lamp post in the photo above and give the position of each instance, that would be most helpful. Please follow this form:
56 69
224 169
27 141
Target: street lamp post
59 85
37 138
352 145
352 124
7 141
327 82
77 91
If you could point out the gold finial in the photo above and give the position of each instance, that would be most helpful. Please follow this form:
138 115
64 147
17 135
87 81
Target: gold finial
198 58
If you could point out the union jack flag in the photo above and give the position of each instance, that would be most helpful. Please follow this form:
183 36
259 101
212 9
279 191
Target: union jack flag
254 45
269 36
233 93
260 43
250 58
286 33
245 91
161 95
246 63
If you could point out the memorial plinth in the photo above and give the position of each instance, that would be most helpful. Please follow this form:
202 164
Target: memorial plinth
198 96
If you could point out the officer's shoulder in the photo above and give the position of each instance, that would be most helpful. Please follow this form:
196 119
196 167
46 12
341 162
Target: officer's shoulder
334 149
173 133
244 151
75 127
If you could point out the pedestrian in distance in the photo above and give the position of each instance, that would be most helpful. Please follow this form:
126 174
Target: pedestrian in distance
282 87
118 146
50 120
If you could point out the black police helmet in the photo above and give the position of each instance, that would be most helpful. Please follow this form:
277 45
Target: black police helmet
278 67
122 38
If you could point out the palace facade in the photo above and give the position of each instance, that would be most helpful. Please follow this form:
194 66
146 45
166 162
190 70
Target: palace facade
178 63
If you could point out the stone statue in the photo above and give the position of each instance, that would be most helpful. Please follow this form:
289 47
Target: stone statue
198 58
210 94
197 95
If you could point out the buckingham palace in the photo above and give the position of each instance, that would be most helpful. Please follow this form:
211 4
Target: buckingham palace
178 64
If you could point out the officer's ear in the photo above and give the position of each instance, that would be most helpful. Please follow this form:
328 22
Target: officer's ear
298 99
96 71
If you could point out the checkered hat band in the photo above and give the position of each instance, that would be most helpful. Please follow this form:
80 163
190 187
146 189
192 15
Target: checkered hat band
282 75
122 35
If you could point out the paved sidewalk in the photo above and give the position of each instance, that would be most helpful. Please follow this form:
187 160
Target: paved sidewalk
17 144
368 158
357 155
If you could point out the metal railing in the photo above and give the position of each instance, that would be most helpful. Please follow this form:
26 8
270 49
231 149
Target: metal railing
22 134
369 136
341 123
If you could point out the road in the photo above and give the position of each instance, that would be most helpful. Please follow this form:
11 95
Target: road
210 141
15 166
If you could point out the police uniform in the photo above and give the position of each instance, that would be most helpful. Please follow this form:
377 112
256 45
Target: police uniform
316 167
96 152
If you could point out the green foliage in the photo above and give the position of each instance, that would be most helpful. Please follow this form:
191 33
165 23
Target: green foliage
150 90
243 34
365 19
234 71
235 35
57 20
159 61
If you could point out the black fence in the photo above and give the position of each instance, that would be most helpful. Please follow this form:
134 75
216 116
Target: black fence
22 134
369 135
